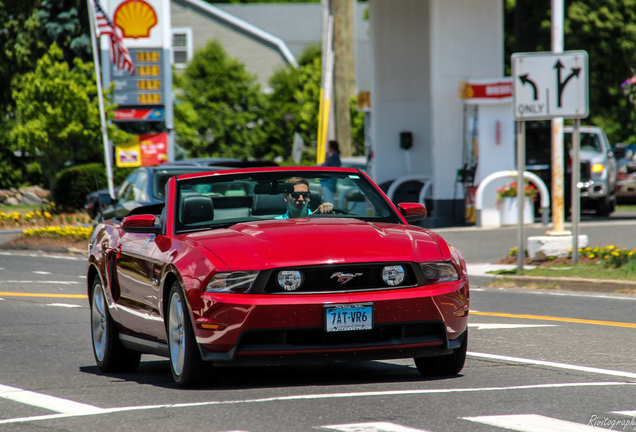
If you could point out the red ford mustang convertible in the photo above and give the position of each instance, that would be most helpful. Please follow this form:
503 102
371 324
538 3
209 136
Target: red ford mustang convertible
274 266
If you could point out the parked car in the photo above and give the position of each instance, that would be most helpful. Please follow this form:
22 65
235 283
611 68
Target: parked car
598 165
626 173
359 162
226 162
143 186
217 276
95 207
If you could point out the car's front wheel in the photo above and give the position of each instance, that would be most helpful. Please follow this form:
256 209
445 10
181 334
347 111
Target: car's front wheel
110 354
188 369
605 206
450 364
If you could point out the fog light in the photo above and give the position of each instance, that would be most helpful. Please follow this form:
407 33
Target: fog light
393 275
289 280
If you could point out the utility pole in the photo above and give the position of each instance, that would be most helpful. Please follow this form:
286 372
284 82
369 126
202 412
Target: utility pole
558 205
344 71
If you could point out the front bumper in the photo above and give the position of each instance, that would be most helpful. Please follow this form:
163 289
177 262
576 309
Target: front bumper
594 189
282 329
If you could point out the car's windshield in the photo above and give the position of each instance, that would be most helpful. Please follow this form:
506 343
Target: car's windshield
162 176
589 142
223 200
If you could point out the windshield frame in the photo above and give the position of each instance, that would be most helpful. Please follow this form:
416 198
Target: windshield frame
233 195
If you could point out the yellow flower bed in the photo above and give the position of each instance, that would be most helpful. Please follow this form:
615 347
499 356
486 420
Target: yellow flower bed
611 256
39 218
75 232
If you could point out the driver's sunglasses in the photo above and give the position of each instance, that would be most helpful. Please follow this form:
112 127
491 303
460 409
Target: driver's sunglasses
296 195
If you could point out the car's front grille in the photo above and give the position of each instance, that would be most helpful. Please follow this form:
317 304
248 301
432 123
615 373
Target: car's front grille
586 171
318 339
353 277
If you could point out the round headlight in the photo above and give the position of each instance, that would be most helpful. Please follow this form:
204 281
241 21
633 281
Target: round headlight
289 280
393 275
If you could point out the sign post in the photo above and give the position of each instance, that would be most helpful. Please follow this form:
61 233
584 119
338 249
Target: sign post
545 86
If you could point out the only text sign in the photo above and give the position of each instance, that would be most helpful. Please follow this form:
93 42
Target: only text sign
548 85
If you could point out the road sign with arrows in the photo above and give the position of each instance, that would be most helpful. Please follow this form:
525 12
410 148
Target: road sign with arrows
548 85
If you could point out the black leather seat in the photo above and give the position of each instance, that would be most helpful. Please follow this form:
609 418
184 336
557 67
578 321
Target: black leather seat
264 204
268 205
197 210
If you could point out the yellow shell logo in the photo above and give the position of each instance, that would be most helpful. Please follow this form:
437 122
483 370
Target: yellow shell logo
135 18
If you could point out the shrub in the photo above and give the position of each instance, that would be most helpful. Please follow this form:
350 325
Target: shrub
73 184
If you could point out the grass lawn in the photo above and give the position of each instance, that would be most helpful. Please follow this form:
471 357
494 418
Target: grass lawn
19 208
588 270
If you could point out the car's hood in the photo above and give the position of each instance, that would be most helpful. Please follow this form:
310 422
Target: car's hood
294 242
592 156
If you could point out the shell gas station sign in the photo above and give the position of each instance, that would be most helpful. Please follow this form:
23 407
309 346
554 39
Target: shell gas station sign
144 150
142 28
143 97
141 21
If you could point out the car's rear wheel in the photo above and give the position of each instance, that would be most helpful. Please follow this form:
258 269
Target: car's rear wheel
110 354
450 364
188 369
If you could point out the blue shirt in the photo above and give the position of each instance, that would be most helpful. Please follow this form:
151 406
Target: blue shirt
287 216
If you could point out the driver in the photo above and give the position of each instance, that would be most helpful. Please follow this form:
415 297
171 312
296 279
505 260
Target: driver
298 201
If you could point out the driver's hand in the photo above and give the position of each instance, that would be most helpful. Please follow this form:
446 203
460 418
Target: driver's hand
324 208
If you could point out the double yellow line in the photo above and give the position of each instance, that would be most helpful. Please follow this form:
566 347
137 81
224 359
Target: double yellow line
549 318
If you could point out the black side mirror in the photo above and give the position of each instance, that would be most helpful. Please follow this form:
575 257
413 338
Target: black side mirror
106 199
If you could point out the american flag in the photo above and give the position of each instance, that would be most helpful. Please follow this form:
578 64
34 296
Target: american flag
120 55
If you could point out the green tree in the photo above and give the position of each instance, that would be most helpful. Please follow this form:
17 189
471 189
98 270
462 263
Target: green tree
57 115
219 106
294 107
65 22
28 29
606 29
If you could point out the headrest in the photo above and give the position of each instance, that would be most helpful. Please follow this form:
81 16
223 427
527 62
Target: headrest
197 209
268 205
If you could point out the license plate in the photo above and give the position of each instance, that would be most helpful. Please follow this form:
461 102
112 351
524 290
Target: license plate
348 317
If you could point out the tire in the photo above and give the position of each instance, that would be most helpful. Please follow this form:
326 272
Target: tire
187 367
446 365
110 354
604 206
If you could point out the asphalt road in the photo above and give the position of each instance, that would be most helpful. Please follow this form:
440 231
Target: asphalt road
537 359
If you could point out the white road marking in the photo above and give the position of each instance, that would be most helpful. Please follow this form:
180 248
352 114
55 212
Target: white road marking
64 305
553 364
34 255
42 272
506 326
62 406
626 413
371 427
91 410
42 282
533 423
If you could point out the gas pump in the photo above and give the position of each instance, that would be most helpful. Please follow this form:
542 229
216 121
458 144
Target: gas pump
488 137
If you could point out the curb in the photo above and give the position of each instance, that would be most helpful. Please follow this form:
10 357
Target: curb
569 283
44 249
